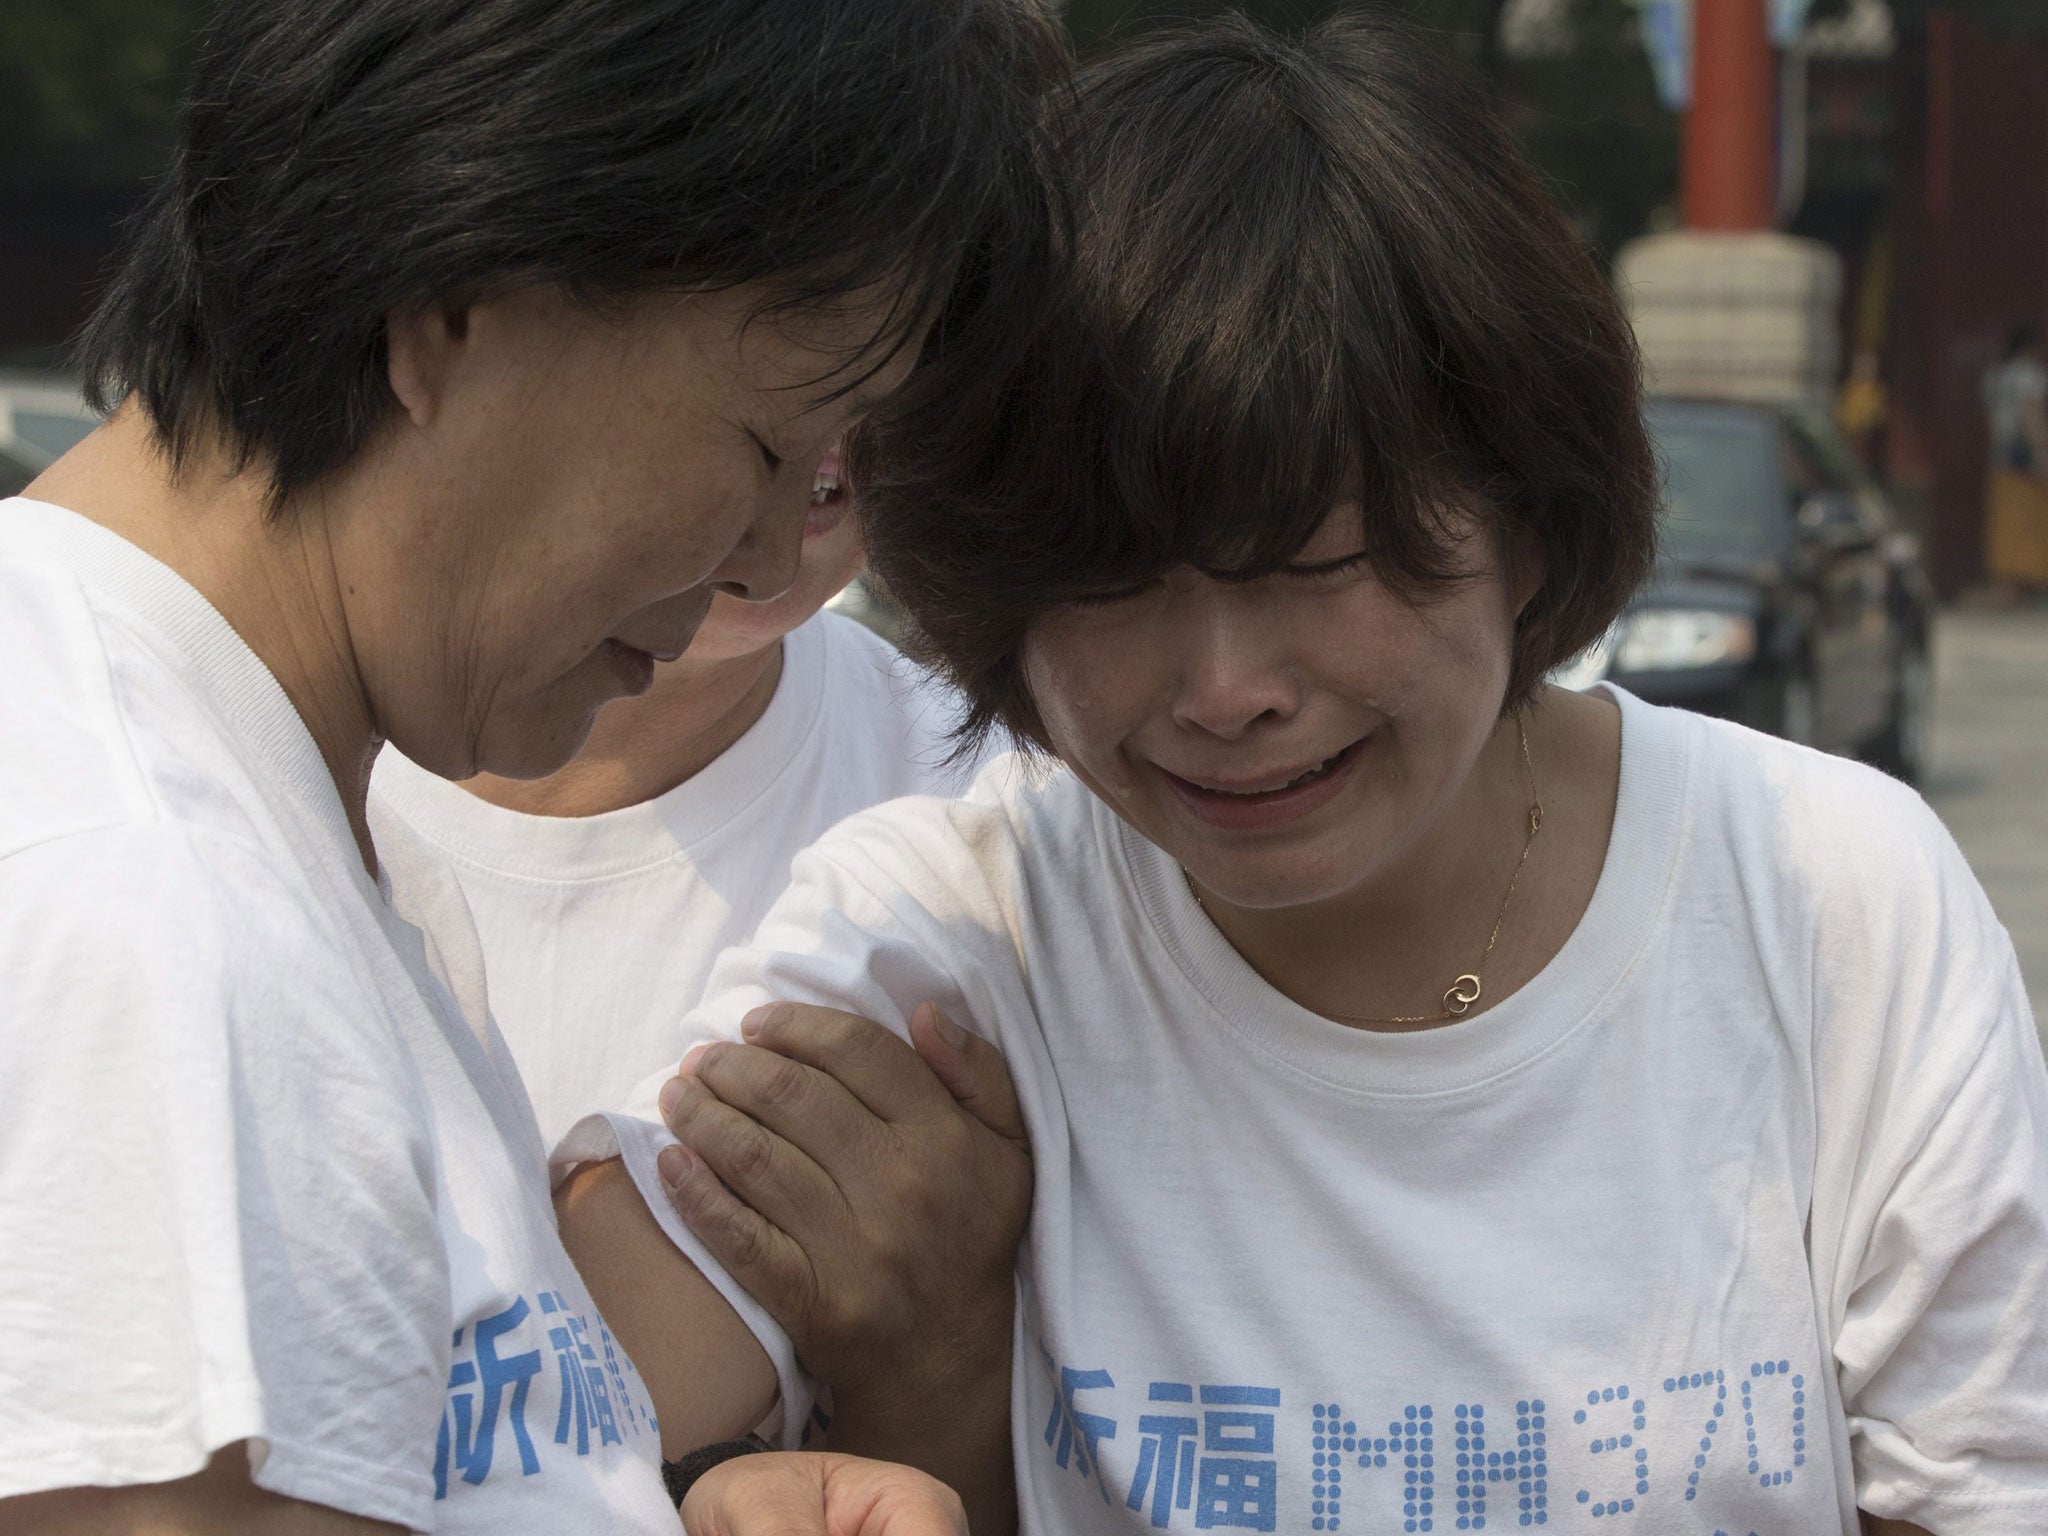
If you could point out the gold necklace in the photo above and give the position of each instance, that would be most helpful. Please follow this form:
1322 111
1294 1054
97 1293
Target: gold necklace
1468 988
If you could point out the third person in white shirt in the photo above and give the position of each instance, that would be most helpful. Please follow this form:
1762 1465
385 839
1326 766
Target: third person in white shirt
602 893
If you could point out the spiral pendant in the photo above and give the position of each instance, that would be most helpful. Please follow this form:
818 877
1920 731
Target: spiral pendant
1463 994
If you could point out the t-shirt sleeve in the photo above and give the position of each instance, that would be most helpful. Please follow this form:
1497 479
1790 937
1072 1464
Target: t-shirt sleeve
216 1185
887 912
1940 1285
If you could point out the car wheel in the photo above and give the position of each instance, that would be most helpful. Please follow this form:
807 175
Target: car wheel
1902 746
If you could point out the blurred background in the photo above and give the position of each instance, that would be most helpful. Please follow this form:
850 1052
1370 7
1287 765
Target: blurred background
1829 219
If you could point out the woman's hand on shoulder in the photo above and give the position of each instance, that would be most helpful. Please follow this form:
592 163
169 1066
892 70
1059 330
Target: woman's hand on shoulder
871 1194
807 1493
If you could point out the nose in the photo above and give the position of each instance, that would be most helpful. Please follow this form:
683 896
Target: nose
763 564
1235 669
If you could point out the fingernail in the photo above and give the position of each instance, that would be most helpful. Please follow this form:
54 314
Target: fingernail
671 1096
951 1033
674 1165
761 1018
691 1057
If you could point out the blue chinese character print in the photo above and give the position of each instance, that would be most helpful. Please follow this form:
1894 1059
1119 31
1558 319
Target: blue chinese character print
469 1419
1695 1382
640 1419
1630 1409
1761 1374
1239 1490
1525 1466
586 1400
1072 1433
1166 1455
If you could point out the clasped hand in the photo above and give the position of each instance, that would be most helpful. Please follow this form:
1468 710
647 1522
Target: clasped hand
869 1193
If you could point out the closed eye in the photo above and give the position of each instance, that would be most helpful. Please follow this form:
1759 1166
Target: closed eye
1329 567
1116 595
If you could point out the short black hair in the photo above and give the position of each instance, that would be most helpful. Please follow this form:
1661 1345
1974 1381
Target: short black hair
1303 265
339 161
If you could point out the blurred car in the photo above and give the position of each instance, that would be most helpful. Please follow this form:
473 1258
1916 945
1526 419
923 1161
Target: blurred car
41 415
1786 596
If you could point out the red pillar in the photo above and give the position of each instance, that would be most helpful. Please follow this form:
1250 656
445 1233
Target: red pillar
1728 176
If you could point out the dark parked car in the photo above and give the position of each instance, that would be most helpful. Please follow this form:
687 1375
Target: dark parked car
1786 597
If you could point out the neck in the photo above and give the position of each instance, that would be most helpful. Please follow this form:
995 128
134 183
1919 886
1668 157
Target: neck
1384 952
640 749
272 578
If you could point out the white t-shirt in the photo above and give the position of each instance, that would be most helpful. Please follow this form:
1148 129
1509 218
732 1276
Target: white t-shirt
598 931
259 1179
1736 1215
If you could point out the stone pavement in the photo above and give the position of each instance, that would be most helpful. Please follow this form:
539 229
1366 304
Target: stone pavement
1990 773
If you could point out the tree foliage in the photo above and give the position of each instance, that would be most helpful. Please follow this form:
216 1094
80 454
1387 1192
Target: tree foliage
88 89
1586 110
87 85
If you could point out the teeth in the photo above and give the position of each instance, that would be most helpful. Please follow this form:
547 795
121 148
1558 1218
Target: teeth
1293 783
824 488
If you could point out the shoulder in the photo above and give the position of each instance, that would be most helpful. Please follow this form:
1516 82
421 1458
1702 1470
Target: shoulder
903 715
921 898
66 761
103 721
1847 885
1013 827
148 931
1835 830
851 652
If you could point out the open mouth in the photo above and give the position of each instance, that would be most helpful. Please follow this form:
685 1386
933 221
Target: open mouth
829 500
1322 770
1249 805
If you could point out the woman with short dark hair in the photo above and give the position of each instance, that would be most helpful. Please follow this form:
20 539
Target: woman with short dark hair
1456 1103
467 350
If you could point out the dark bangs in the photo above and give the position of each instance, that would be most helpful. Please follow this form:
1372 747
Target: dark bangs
1305 270
1246 358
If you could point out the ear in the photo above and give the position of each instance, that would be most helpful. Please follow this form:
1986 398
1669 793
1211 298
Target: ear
423 351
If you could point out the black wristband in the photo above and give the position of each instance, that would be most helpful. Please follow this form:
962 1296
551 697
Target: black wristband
679 1475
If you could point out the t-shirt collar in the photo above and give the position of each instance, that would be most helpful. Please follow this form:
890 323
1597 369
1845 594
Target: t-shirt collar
218 664
634 836
1650 817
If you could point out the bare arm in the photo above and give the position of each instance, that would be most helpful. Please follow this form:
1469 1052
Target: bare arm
220 1501
708 1376
870 1194
1872 1526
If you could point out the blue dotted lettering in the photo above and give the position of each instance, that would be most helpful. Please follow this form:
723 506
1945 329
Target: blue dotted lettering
1763 1375
1625 1441
1696 1380
1411 1440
